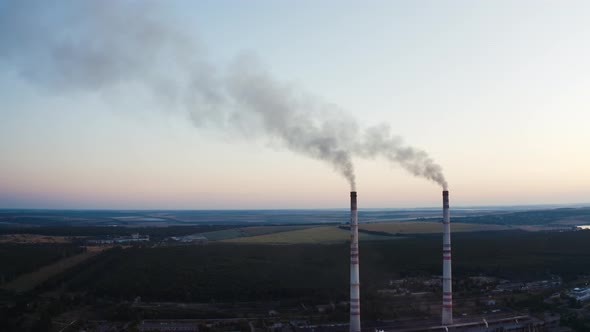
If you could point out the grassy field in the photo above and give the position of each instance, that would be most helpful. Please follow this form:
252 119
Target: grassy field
334 234
263 230
313 235
233 233
421 227
31 280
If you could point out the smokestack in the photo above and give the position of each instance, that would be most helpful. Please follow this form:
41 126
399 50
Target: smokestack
355 300
447 298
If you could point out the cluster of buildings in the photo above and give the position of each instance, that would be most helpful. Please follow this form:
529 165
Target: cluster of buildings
192 239
580 294
136 237
506 286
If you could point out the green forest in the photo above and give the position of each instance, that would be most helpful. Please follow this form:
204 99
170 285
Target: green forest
229 272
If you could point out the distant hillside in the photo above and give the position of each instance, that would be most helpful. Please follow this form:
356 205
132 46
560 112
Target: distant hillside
164 218
556 217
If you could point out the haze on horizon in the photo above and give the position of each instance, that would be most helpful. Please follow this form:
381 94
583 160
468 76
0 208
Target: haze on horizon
494 91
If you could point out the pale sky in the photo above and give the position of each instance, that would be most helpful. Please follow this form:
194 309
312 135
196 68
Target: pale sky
496 92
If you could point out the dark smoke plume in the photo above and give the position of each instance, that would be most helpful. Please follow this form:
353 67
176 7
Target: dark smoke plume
69 46
289 118
378 141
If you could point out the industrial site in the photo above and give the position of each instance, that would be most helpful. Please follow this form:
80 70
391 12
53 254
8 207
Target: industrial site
292 276
294 166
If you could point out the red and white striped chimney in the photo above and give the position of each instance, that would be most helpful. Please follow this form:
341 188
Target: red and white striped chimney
447 298
355 300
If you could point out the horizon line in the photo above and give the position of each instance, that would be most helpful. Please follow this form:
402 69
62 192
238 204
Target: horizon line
539 205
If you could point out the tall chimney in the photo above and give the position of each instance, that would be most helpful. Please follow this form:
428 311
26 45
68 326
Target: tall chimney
447 298
355 300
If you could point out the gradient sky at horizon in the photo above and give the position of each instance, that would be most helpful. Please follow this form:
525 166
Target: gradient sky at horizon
495 91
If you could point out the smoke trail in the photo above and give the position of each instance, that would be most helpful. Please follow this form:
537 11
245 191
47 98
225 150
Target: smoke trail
290 118
102 45
99 46
378 141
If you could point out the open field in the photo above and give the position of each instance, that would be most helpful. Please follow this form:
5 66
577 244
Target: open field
335 234
31 280
313 235
561 216
238 232
419 227
262 230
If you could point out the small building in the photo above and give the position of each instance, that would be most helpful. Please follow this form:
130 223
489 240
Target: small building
580 294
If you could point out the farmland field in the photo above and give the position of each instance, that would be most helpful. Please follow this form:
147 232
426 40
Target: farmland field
335 234
415 227
238 232
317 235
222 234
262 230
